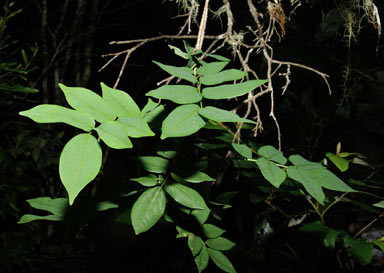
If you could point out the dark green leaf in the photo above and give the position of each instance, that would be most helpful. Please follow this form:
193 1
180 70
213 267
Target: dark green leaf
221 115
56 206
221 261
185 196
183 72
153 164
220 243
271 172
194 243
202 259
361 251
243 150
212 231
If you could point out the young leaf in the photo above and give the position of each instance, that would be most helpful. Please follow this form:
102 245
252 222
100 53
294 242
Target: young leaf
148 209
221 115
271 153
49 113
271 172
212 231
194 243
153 164
136 126
185 196
120 101
181 94
221 261
202 259
183 72
243 150
229 91
210 68
182 121
223 76
80 162
114 134
87 101
220 243
341 163
147 181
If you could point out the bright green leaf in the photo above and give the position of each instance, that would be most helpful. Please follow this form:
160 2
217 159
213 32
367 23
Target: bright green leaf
271 153
212 231
221 261
379 204
120 101
29 218
271 172
136 126
56 206
221 115
80 162
210 68
218 57
106 205
183 72
379 243
194 243
201 215
229 91
220 243
192 174
182 121
148 209
223 76
179 52
361 251
243 150
202 259
147 181
185 196
330 181
181 94
85 100
114 134
153 164
49 113
152 110
341 163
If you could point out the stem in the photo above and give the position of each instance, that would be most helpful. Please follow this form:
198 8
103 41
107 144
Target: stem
314 206
333 203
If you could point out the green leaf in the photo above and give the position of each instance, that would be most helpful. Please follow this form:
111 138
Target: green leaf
182 121
304 177
148 209
201 215
243 150
194 243
49 113
221 261
17 88
379 204
181 94
153 164
183 72
202 259
341 163
361 251
223 76
152 110
120 101
221 115
56 206
298 160
114 134
271 172
29 218
220 243
192 174
218 57
85 100
106 205
136 126
179 52
80 162
379 243
212 231
271 153
210 68
147 181
185 196
330 181
229 91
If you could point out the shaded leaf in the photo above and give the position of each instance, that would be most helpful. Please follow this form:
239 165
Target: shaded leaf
114 134
56 206
181 94
220 243
229 91
271 172
148 209
80 162
221 115
153 164
152 110
194 243
379 204
202 259
221 261
49 113
212 231
185 196
341 163
361 251
147 181
182 121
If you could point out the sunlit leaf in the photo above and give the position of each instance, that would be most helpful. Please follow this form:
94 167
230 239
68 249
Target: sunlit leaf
183 72
148 209
49 113
229 91
181 94
185 196
80 162
114 134
221 115
271 172
120 101
223 76
182 121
